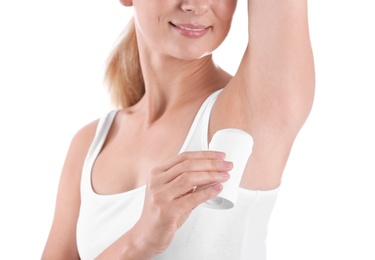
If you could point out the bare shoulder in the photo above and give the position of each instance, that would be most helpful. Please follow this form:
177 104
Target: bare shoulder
73 165
61 243
83 138
78 149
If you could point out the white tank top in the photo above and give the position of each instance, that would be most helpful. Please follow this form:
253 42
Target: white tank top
238 233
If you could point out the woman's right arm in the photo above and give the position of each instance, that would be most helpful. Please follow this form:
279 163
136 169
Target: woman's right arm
61 243
168 202
170 198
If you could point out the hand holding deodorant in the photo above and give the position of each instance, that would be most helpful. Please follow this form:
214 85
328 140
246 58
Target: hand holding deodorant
237 145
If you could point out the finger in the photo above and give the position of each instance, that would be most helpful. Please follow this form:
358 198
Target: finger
187 181
195 165
191 156
192 200
189 162
202 187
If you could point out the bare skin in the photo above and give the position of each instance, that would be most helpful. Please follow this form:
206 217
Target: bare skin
270 97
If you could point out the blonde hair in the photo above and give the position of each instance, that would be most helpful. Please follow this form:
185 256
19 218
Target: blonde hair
124 74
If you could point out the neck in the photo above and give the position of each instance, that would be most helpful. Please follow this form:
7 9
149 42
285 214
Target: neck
172 83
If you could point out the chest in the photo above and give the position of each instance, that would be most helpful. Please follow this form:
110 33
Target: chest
129 154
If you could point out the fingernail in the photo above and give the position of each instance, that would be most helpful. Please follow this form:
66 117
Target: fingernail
220 155
217 187
224 175
228 165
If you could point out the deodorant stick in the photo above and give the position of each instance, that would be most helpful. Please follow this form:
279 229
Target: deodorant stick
237 145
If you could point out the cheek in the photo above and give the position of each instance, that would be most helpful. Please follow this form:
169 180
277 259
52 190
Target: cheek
145 22
226 6
225 12
150 14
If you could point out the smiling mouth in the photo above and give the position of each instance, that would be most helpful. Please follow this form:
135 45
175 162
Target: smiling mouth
191 27
192 31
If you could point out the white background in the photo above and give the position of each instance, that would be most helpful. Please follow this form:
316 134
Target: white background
52 58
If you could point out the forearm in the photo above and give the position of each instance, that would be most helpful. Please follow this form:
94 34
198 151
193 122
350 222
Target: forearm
128 247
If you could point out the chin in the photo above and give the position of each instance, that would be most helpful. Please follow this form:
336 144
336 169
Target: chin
192 57
191 54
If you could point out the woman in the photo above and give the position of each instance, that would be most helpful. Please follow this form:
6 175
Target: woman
126 190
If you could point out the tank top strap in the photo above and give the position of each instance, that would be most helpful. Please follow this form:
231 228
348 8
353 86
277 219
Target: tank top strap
101 133
197 138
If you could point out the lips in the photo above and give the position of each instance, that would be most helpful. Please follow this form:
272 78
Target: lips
189 30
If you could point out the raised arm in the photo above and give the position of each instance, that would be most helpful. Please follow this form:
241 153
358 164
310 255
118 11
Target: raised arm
272 92
275 81
278 65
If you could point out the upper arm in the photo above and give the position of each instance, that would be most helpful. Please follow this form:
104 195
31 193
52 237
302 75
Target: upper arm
278 68
272 92
61 243
274 85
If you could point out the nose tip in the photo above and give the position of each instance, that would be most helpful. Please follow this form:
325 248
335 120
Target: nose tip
197 7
